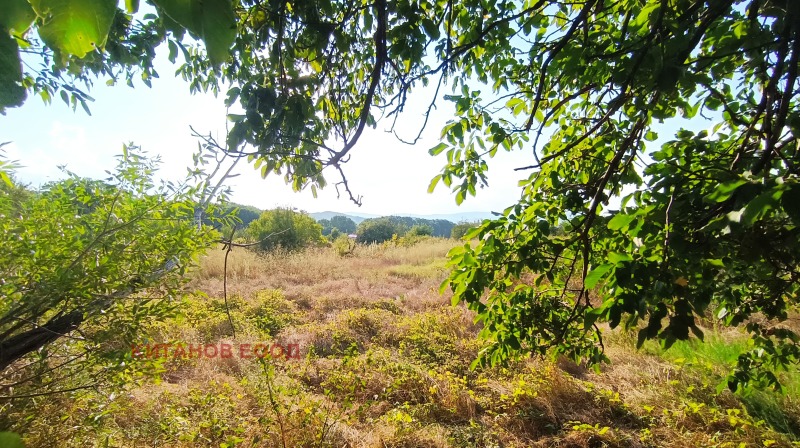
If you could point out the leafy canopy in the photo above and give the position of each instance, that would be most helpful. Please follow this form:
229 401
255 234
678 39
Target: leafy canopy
461 229
378 230
707 225
104 257
344 224
284 228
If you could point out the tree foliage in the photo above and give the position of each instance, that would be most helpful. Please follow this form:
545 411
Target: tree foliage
237 217
707 223
377 230
105 258
420 230
403 224
244 213
461 229
326 226
286 229
344 224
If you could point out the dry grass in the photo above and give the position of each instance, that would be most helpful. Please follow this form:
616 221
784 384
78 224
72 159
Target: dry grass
321 277
385 364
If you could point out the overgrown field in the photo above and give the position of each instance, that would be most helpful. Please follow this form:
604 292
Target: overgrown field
384 362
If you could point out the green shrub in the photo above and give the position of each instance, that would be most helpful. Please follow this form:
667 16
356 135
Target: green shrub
420 230
286 229
461 229
352 331
272 312
206 317
377 231
344 224
436 339
101 258
343 245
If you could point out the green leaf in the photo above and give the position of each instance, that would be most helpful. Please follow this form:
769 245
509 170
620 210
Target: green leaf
760 206
173 51
791 203
212 20
232 96
132 6
436 150
12 93
11 440
86 108
592 315
219 29
593 277
17 16
460 196
186 13
513 342
74 27
237 136
5 179
620 221
430 28
616 257
641 337
724 191
433 183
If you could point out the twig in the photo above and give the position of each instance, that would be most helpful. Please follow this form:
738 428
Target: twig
274 404
40 394
228 246
225 284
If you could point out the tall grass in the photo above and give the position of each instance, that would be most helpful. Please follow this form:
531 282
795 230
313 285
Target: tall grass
386 364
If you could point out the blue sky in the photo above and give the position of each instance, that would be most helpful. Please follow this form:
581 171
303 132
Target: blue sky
391 176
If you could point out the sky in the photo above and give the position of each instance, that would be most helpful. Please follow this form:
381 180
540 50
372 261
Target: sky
392 177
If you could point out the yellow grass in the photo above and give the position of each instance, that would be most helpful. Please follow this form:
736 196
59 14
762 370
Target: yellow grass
386 364
319 275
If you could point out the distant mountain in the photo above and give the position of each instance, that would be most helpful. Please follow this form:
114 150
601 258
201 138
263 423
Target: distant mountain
458 217
328 215
452 217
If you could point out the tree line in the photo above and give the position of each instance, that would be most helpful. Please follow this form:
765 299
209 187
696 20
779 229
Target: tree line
292 229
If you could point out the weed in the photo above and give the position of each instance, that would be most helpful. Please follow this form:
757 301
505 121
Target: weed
388 365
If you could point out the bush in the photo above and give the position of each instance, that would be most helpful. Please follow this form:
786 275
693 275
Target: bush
344 224
334 234
461 229
344 245
272 312
377 230
285 228
104 258
420 230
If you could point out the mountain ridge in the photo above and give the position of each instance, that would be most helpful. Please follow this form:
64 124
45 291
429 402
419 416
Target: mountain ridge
452 217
